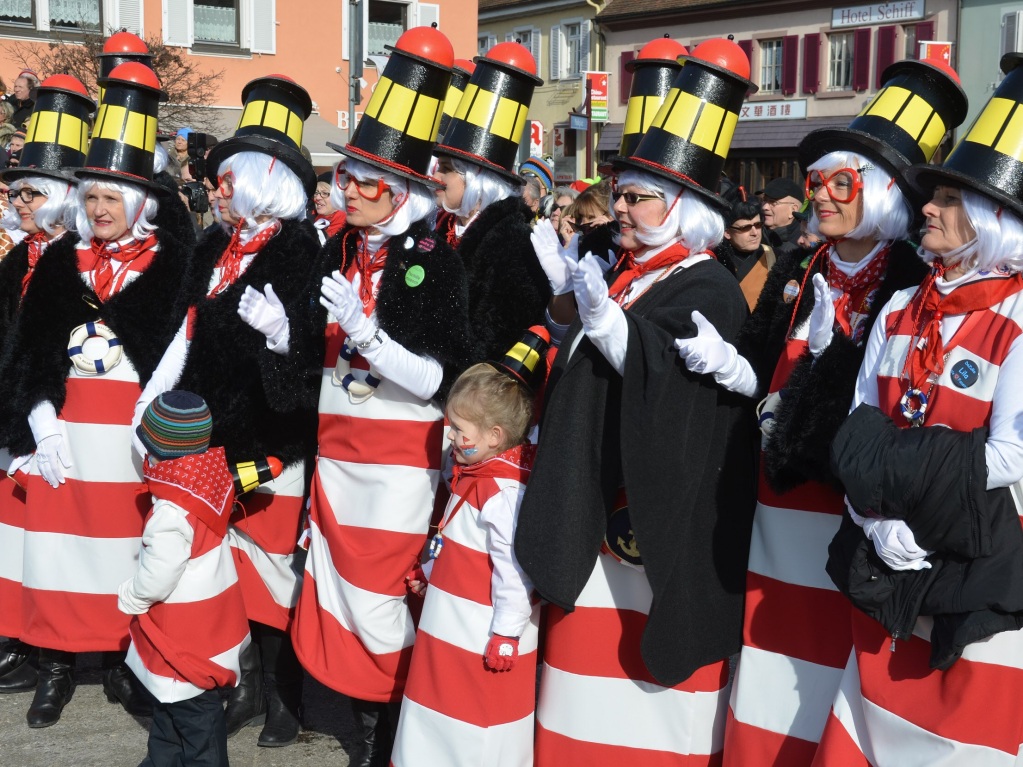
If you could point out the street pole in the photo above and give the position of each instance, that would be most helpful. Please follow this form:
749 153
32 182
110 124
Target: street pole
355 58
589 128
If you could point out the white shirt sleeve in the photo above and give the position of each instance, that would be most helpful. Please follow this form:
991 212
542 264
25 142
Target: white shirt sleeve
611 336
166 548
866 380
1004 448
510 587
417 374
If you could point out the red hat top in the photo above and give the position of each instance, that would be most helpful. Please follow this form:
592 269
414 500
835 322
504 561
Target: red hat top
725 54
661 49
125 43
66 83
465 65
515 55
427 44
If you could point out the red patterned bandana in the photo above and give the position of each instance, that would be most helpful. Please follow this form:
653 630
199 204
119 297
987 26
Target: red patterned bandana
366 266
230 262
634 269
858 291
335 222
134 256
36 243
201 484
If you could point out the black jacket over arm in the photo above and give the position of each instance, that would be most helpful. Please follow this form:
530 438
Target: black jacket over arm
682 447
934 479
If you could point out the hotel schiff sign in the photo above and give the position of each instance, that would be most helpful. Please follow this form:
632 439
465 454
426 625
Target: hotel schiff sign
877 13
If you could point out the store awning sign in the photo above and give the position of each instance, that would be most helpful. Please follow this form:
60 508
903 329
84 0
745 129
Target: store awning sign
598 95
794 109
877 13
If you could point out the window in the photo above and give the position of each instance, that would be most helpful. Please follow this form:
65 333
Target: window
63 14
387 22
840 61
770 66
573 46
484 43
528 37
216 22
16 12
570 49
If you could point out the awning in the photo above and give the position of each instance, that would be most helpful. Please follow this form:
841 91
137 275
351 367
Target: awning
610 137
315 135
780 134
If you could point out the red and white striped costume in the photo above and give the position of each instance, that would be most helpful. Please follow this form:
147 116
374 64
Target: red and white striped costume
82 538
891 708
456 711
12 545
195 627
372 498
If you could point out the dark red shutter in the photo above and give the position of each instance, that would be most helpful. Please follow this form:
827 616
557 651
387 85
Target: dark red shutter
811 63
924 32
747 48
861 59
625 76
885 50
789 64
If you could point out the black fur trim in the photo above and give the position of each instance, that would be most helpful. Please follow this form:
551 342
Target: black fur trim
12 272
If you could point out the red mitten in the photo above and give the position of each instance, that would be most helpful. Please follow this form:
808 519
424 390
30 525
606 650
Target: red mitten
501 653
416 580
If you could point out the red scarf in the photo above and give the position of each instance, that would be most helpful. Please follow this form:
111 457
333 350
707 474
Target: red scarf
335 222
230 262
35 251
857 290
633 269
134 256
200 483
928 307
366 266
446 226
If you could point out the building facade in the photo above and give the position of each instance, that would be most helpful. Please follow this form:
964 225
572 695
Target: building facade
990 29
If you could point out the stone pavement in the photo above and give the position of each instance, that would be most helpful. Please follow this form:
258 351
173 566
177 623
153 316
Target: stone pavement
95 733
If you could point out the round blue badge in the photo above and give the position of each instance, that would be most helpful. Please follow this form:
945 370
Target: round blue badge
965 374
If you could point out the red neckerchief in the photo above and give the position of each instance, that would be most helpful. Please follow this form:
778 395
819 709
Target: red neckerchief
928 307
366 266
230 261
674 254
446 226
134 257
335 222
514 463
35 251
200 483
856 290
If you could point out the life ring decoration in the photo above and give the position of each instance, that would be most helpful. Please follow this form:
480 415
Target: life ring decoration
93 366
358 390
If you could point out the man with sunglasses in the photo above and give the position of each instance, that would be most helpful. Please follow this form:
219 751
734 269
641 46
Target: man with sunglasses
782 198
743 251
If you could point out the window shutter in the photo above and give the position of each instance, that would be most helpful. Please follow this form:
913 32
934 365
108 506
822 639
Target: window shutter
177 22
129 15
534 48
428 14
811 63
747 48
584 46
789 64
924 32
625 76
556 52
509 37
861 59
264 30
885 50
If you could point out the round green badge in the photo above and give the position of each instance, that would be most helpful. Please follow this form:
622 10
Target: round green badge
414 276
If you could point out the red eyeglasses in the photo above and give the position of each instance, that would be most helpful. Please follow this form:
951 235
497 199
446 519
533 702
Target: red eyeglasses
225 184
368 190
843 185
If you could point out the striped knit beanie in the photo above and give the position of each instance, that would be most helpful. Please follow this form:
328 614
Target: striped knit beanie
541 171
176 423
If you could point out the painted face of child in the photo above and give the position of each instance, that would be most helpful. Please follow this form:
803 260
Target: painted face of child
470 442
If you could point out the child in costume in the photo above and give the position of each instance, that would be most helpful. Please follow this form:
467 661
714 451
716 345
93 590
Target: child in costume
457 710
185 572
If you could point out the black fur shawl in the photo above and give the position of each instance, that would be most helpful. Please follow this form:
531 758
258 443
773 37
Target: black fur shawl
143 315
508 290
429 318
12 272
818 394
248 389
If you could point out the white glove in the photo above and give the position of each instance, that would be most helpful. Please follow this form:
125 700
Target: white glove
822 318
342 301
556 260
265 312
893 541
706 352
590 291
51 452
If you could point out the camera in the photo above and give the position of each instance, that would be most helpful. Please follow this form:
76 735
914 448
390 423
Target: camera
198 145
195 193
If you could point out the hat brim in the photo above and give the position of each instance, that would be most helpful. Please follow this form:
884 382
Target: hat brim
504 173
235 144
632 163
823 141
386 165
12 174
121 178
923 179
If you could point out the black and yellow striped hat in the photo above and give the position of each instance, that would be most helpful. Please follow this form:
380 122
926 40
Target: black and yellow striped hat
57 137
124 134
918 104
400 125
273 117
460 74
488 124
526 361
120 48
653 72
989 158
689 138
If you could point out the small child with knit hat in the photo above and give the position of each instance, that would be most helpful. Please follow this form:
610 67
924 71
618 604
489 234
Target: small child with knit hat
189 626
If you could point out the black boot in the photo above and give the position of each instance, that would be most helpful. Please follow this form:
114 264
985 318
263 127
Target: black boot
371 723
283 689
17 667
55 688
247 702
122 686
